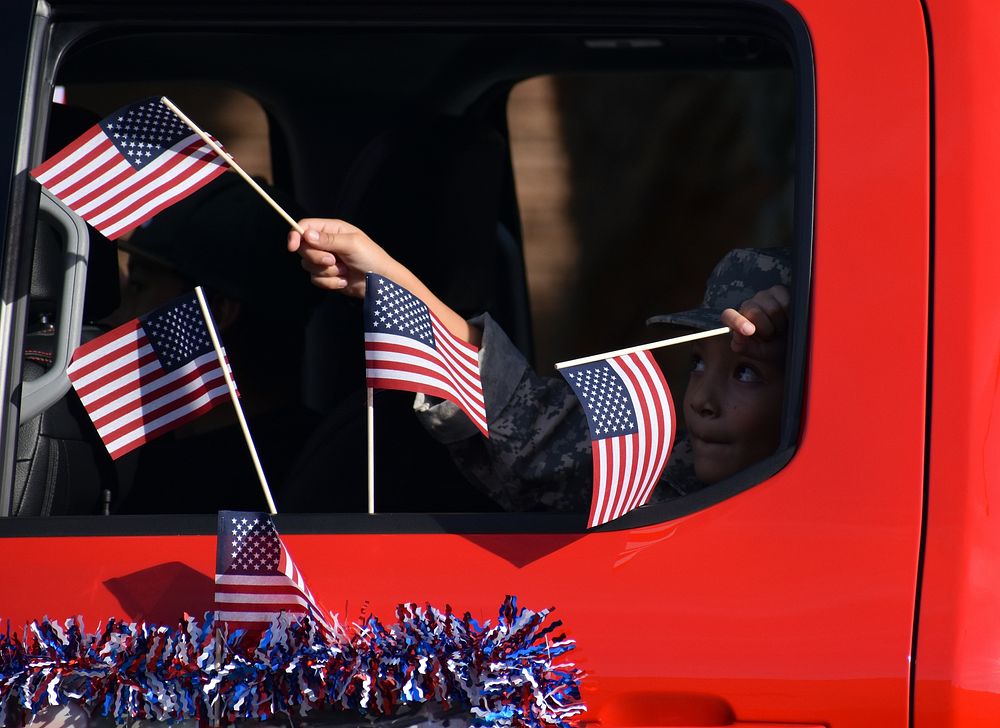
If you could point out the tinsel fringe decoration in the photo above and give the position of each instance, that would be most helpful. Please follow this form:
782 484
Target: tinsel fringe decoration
506 674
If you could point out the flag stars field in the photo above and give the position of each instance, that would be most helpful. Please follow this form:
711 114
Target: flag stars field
407 348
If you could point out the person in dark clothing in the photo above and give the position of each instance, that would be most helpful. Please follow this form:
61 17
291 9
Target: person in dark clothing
223 237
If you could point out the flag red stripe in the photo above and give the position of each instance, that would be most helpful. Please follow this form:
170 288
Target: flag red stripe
150 415
663 406
87 349
138 216
403 366
81 168
647 443
96 201
404 386
114 369
67 151
380 359
464 374
146 189
153 434
91 168
222 588
382 351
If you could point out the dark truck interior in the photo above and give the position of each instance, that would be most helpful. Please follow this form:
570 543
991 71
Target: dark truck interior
396 119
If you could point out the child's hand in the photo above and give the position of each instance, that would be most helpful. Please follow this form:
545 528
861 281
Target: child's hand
337 255
764 317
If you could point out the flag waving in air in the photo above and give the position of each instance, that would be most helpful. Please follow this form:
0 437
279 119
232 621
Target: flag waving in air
631 417
408 348
126 168
149 375
255 577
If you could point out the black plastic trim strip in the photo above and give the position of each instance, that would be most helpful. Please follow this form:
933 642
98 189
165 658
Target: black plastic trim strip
932 256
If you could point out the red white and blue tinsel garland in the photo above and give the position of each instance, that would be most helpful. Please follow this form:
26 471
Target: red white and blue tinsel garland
505 674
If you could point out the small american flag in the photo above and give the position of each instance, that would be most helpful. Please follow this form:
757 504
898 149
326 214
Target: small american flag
149 375
631 417
408 348
255 577
129 166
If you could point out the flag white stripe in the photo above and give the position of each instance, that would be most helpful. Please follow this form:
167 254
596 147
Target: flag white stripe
253 598
442 384
115 172
82 151
466 373
601 480
127 363
175 191
85 171
649 429
104 350
426 357
666 426
629 474
232 616
425 360
252 579
147 427
151 405
140 177
138 186
462 351
132 378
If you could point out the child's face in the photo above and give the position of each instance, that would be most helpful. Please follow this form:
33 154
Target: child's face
733 405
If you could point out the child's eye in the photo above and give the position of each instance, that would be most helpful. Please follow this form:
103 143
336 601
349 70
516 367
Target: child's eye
747 374
697 363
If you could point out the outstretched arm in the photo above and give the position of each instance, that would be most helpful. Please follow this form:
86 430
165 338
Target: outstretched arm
337 256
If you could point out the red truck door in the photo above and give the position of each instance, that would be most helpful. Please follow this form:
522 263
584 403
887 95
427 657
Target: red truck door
791 602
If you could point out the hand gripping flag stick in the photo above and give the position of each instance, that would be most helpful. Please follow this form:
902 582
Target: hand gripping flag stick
210 323
232 163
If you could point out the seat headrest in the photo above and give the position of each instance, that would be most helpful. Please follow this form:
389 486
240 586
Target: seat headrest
430 194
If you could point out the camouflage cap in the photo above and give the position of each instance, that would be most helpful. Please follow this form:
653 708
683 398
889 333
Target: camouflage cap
737 277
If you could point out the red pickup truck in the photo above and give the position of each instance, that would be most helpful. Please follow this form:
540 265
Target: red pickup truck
851 579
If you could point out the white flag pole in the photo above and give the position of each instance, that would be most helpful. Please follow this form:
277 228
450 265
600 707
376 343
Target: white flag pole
371 450
210 324
232 163
644 347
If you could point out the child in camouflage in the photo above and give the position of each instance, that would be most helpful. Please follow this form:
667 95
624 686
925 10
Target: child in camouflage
538 453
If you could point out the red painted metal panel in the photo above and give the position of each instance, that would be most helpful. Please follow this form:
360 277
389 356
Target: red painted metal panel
958 651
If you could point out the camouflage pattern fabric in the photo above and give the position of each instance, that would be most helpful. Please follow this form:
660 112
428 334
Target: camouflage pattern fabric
738 276
538 457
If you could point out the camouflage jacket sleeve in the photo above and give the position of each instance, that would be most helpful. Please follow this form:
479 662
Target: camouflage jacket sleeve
538 455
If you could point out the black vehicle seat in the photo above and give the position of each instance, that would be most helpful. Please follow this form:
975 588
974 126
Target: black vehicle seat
430 195
61 466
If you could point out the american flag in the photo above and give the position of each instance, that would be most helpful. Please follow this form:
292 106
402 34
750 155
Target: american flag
408 348
255 577
148 376
631 417
129 166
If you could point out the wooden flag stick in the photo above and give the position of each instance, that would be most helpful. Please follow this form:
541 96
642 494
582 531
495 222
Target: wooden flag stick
371 450
644 347
232 163
210 324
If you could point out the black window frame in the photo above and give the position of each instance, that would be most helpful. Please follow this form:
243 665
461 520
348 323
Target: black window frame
73 23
